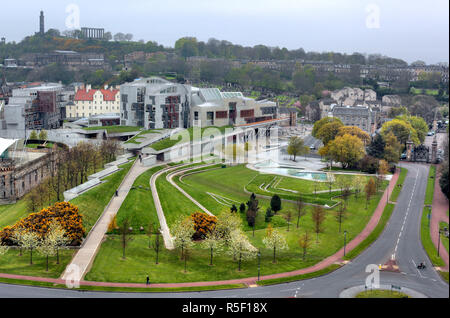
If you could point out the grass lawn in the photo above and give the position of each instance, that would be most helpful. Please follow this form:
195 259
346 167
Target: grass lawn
426 240
114 129
170 142
444 239
398 186
10 214
382 294
12 263
138 205
135 139
228 182
93 202
430 186
34 146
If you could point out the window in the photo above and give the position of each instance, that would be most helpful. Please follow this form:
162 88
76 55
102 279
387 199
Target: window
195 115
221 114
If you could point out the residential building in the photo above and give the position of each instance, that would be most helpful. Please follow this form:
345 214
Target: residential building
362 117
90 102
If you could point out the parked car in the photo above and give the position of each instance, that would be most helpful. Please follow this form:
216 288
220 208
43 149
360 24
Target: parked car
403 156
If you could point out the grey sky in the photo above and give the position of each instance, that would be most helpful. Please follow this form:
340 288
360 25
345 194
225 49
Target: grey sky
410 30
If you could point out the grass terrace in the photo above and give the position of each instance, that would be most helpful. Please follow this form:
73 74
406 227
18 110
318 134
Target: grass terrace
176 138
228 183
115 129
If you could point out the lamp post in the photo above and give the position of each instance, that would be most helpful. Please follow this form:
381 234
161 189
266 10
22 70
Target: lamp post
259 264
345 240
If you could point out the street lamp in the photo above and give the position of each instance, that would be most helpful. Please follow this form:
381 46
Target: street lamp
345 240
259 264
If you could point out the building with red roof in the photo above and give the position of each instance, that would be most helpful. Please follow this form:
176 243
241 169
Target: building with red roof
91 102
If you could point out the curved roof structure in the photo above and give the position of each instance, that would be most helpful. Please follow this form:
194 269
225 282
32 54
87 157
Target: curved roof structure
5 144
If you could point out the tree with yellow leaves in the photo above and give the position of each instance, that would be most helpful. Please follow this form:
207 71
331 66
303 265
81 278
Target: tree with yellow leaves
347 149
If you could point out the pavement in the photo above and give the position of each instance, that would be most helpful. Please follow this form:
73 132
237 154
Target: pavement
85 256
439 214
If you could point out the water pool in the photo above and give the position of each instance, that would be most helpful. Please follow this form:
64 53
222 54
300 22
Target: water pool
272 167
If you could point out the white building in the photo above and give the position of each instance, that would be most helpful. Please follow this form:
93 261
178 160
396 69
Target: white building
157 103
90 102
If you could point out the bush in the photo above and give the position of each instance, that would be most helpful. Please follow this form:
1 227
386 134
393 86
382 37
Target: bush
64 213
203 225
369 164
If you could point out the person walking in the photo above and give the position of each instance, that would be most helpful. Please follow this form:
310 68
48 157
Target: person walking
148 280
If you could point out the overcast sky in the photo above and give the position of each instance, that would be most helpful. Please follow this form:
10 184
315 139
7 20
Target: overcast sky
410 30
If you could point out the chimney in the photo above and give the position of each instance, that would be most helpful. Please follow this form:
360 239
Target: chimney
105 87
88 87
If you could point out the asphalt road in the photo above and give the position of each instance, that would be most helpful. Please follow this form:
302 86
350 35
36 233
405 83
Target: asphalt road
400 237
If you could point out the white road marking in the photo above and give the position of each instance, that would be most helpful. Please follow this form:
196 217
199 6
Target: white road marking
406 215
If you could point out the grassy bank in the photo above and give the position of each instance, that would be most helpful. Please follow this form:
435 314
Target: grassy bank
398 186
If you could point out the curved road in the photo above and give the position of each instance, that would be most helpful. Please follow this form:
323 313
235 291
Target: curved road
400 237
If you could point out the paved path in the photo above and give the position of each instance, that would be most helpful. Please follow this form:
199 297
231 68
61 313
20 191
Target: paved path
170 176
336 258
86 254
353 291
439 214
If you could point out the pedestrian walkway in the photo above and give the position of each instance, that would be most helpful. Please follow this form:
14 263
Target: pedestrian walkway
333 259
85 256
439 214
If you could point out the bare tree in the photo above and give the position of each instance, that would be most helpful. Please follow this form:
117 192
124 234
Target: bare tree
318 217
125 235
304 242
301 210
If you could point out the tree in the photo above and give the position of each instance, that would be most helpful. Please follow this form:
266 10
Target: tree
227 224
214 243
392 149
301 210
319 124
43 135
288 218
119 37
330 181
347 149
27 240
125 236
240 246
296 147
304 242
274 240
242 208
275 204
318 217
370 190
252 210
383 170
328 132
157 244
268 215
3 249
358 184
33 135
443 180
401 129
183 230
354 131
340 214
56 238
150 231
419 125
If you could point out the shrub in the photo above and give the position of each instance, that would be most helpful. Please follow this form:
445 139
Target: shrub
369 164
203 225
64 213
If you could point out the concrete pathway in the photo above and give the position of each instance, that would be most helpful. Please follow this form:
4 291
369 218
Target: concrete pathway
439 214
170 177
333 259
85 256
